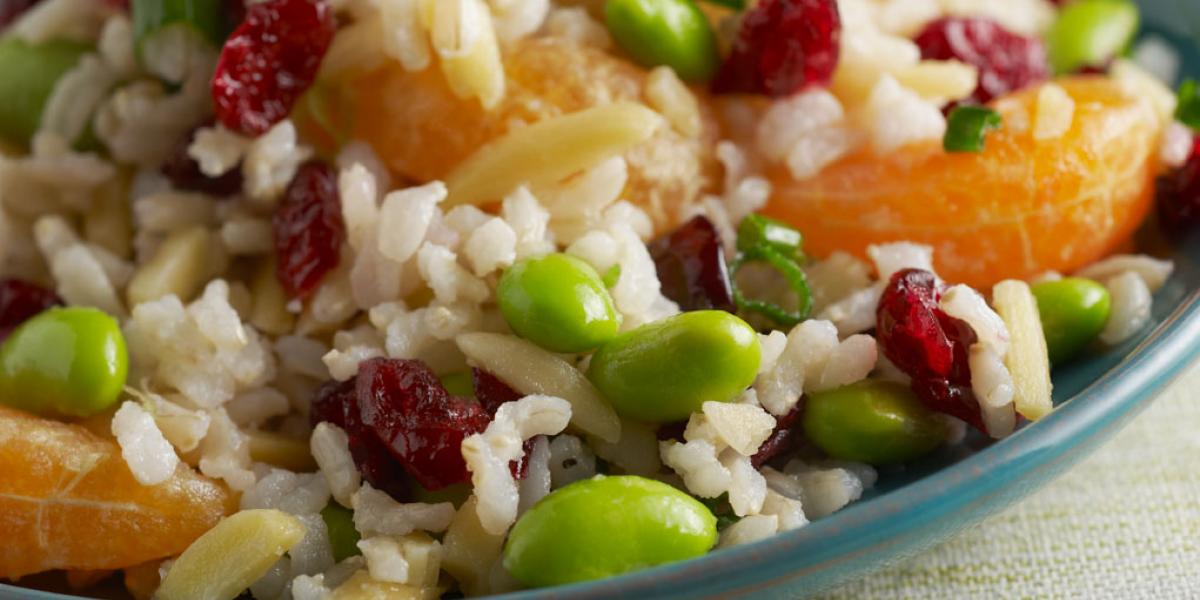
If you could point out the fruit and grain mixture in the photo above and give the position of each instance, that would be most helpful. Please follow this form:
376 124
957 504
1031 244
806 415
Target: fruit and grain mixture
419 298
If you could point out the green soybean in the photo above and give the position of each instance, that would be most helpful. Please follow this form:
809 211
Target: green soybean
1074 311
1090 32
606 526
876 422
28 74
664 371
343 537
558 302
66 361
674 33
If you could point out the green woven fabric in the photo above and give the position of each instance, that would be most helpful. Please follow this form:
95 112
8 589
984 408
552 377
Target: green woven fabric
1125 523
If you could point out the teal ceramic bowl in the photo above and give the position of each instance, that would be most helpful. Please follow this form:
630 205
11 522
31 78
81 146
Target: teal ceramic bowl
911 511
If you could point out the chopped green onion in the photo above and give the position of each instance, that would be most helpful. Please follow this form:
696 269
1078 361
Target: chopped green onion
734 4
1090 32
1188 112
168 33
756 230
611 276
343 537
28 74
967 126
791 272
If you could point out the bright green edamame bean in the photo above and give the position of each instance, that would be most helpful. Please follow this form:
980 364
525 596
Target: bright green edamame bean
1089 32
1074 312
339 521
27 77
558 302
876 422
674 33
664 371
606 526
69 361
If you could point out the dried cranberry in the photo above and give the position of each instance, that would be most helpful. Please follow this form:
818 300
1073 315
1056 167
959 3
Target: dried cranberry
11 9
783 438
491 393
409 410
336 403
691 266
21 300
783 47
928 344
1006 61
269 61
185 174
308 229
1178 195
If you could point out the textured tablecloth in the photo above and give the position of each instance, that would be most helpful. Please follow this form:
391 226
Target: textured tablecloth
1125 523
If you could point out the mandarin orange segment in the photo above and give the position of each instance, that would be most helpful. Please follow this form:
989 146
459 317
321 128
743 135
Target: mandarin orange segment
1019 208
423 131
68 501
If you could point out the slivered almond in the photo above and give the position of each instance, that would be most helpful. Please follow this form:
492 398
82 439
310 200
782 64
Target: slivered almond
531 370
1027 359
549 151
228 558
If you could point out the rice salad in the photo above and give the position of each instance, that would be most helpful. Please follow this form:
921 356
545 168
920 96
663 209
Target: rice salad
409 298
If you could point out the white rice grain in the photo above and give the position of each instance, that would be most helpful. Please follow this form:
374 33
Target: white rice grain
488 454
570 460
1152 271
376 513
330 448
748 530
1131 303
149 455
405 217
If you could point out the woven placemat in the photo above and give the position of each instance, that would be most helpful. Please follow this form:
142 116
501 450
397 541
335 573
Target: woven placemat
1125 523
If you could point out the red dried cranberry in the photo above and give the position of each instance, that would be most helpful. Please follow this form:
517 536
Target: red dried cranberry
1178 195
336 403
185 174
11 9
783 438
491 393
269 61
691 266
1006 61
21 300
928 344
405 405
308 229
783 47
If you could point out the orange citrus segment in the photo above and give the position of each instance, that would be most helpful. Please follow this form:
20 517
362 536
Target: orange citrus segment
423 131
1021 207
68 501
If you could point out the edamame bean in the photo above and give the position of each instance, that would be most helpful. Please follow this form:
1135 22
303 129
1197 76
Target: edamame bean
343 537
558 302
1090 32
674 33
876 422
1074 312
69 361
28 74
664 371
606 526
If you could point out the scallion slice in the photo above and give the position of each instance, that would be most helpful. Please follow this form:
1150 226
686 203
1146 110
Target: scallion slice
967 127
1188 112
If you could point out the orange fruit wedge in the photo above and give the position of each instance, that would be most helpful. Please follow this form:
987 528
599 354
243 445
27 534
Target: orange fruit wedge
422 131
68 501
1019 208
